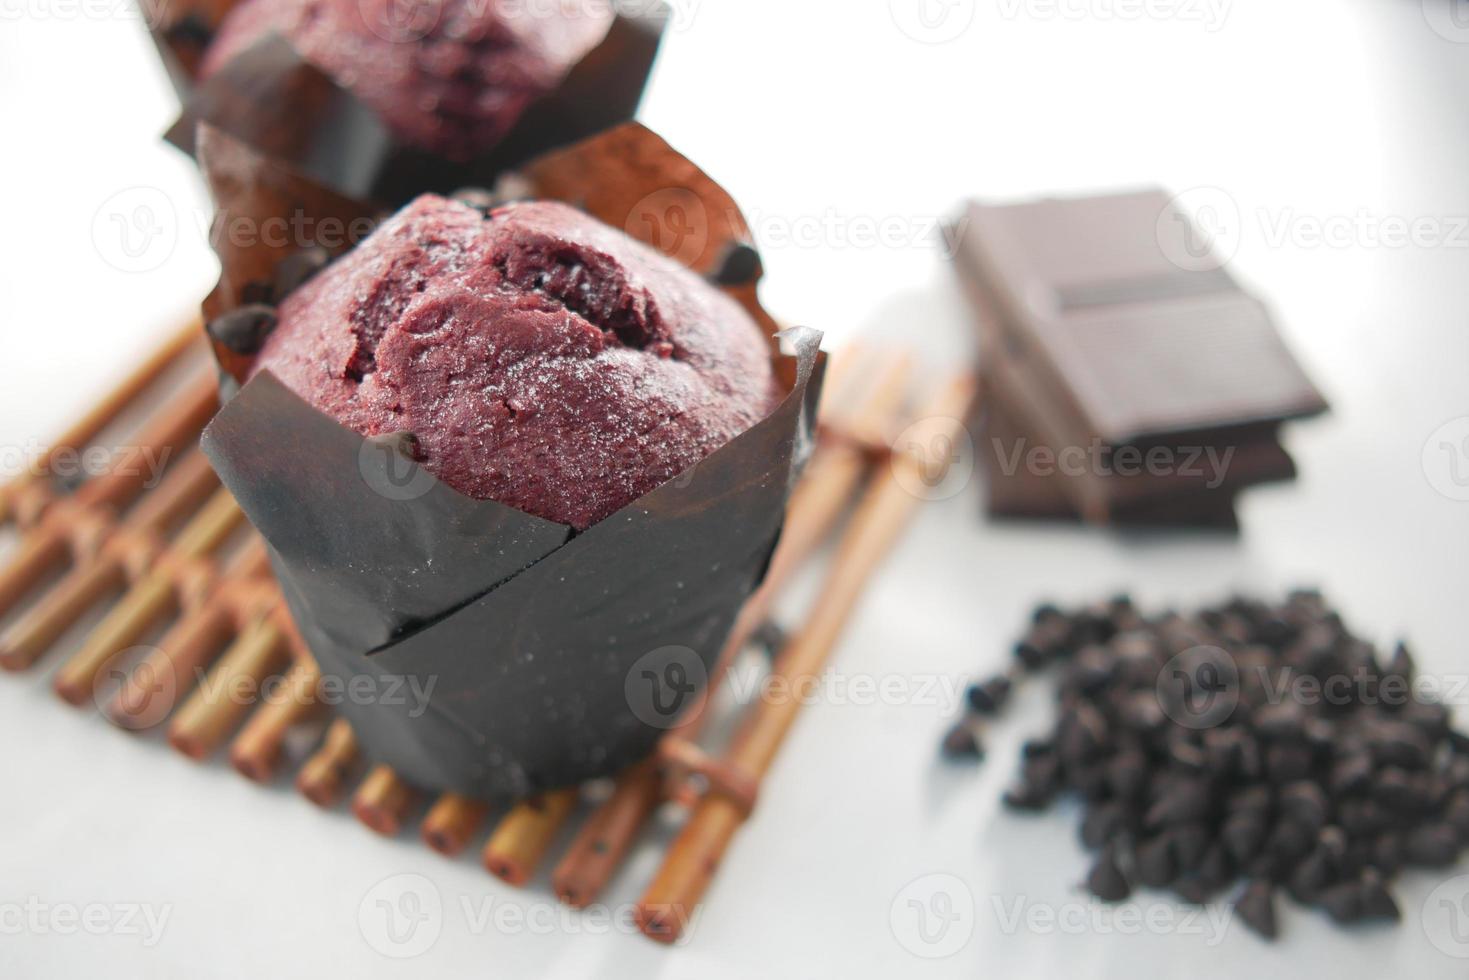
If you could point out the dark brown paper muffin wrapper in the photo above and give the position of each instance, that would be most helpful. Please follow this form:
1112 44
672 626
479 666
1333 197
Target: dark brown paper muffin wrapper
532 641
275 100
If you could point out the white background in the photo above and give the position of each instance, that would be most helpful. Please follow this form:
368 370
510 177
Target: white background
825 119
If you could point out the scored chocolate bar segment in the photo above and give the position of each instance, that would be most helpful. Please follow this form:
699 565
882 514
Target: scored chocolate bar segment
1110 334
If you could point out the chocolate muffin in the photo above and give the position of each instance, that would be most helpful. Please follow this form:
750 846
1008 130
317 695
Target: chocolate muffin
540 358
450 77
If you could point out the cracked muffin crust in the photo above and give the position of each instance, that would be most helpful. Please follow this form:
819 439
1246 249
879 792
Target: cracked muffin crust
448 76
540 358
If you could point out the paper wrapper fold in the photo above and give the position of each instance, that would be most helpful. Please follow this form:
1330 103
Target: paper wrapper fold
514 645
278 102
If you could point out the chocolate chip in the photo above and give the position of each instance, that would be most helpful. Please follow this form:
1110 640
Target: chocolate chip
961 744
1127 774
1351 774
1432 846
1305 803
1190 843
1377 901
990 697
1398 790
1156 864
297 269
1256 909
1244 834
1456 814
1288 842
739 266
1344 903
243 330
1102 824
1388 854
1285 721
1312 877
1106 880
1400 744
1027 798
1363 818
1401 665
1183 801
1289 762
1197 889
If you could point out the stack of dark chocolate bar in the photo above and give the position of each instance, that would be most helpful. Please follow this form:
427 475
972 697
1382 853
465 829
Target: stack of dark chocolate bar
1129 380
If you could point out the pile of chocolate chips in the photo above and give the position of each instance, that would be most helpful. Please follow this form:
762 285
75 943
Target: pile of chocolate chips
1249 741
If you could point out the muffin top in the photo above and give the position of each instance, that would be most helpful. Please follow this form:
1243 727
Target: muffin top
450 77
540 358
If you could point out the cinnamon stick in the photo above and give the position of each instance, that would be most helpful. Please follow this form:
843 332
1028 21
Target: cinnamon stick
323 778
169 670
104 573
172 429
154 686
151 599
41 553
521 840
452 822
221 700
256 750
695 856
607 835
382 801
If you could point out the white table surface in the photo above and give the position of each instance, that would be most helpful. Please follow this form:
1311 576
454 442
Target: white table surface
827 120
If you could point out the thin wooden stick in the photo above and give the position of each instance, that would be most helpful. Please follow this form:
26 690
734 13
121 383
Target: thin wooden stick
168 671
28 639
151 598
452 823
41 552
521 839
607 835
104 573
256 751
171 430
695 856
830 482
382 801
155 685
216 707
104 413
45 549
323 778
